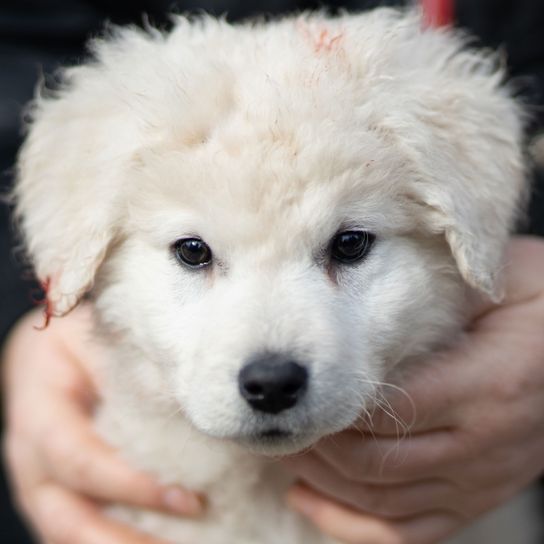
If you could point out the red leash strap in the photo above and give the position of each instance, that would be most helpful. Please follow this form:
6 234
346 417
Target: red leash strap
438 13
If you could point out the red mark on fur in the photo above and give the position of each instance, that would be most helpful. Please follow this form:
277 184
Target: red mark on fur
44 301
437 13
326 42
323 41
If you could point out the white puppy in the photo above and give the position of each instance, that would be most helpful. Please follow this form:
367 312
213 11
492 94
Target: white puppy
268 218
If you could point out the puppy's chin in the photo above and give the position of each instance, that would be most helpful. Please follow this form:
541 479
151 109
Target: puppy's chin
275 442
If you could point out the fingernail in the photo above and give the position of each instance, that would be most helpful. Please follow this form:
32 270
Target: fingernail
182 502
302 502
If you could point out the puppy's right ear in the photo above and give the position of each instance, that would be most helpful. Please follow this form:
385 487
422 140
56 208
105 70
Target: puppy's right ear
67 193
74 167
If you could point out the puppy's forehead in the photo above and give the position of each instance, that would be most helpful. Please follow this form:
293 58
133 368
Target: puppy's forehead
289 186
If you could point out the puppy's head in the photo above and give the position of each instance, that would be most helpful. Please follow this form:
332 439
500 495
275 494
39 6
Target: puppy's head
276 215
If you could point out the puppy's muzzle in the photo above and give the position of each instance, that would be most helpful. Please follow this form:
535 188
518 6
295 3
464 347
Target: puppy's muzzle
272 383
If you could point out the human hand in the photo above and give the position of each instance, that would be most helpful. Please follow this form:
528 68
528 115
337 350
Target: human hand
61 471
476 436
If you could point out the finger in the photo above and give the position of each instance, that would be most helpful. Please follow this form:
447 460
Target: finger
378 460
351 527
524 266
65 518
388 501
77 458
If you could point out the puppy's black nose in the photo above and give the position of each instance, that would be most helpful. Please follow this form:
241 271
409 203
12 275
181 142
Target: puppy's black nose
271 383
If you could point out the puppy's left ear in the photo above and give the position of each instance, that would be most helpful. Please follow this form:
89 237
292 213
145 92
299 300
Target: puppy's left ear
473 179
474 187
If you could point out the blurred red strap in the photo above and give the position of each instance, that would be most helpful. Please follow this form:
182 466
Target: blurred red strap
438 12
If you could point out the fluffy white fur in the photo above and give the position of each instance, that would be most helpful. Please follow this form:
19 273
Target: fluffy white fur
265 140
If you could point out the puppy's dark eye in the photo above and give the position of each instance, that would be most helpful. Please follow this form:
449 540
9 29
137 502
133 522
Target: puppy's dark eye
351 246
193 252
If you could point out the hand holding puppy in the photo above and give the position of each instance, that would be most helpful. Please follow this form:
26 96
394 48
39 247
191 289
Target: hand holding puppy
476 431
61 472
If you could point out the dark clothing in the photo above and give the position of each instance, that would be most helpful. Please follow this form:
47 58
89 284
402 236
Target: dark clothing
38 35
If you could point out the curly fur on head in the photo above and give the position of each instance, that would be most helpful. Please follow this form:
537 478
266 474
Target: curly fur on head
266 140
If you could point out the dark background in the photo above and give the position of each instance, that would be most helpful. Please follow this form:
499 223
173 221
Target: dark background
36 36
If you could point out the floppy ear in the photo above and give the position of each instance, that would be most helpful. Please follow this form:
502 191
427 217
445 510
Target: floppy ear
70 174
67 195
476 227
473 180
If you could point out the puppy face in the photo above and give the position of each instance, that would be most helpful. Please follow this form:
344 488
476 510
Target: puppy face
275 289
273 227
